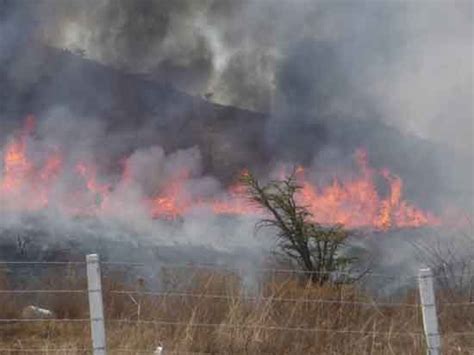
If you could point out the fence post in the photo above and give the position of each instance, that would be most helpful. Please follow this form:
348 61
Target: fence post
96 307
428 307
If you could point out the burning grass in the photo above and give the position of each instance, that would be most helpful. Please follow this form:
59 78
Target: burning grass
33 182
204 311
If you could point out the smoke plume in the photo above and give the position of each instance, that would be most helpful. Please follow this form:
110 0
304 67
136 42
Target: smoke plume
314 81
409 63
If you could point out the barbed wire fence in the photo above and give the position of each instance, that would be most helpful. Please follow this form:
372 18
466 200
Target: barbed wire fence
94 294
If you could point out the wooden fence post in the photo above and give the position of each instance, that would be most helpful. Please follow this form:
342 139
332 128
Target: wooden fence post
96 307
428 307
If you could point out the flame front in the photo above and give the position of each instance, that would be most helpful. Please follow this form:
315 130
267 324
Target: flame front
15 162
20 178
356 202
27 185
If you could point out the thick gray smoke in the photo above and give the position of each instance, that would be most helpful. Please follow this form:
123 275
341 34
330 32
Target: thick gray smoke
409 63
72 216
406 64
394 77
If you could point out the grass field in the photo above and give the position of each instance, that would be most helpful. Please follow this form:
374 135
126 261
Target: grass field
209 311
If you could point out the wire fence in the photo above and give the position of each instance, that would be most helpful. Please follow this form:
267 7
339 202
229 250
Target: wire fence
140 307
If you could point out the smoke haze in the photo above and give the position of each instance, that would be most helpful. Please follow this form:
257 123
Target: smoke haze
323 77
406 62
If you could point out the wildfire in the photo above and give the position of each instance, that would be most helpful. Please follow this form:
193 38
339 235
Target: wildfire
28 184
357 203
170 203
15 163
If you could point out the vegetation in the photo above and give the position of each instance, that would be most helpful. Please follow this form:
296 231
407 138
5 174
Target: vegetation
193 310
283 317
451 260
315 248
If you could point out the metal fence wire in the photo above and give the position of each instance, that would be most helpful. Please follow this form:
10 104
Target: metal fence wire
93 294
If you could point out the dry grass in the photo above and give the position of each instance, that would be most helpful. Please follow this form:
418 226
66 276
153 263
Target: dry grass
238 323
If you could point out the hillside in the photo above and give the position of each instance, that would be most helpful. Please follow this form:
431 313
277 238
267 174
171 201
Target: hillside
138 112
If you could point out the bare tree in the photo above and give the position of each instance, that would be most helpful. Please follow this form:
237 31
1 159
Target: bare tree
452 260
315 248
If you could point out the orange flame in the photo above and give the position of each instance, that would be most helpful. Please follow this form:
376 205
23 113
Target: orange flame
354 202
15 163
357 203
172 202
